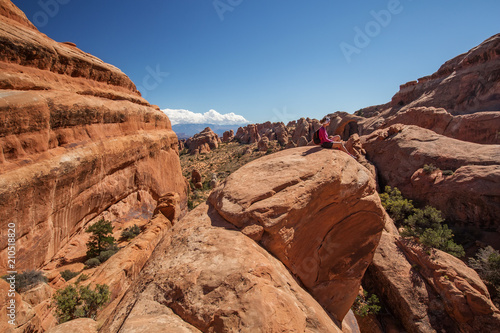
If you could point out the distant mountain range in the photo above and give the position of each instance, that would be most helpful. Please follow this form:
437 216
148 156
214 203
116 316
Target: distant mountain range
185 131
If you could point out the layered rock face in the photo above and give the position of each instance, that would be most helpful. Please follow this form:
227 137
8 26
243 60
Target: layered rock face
469 193
316 210
430 292
203 142
480 127
467 83
76 138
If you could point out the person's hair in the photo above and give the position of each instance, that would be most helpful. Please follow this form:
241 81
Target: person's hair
325 120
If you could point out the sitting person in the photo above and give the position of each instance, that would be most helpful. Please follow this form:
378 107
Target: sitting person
334 141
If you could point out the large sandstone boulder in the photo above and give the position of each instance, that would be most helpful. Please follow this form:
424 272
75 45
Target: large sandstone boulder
76 138
203 142
430 291
206 277
316 210
80 325
343 124
468 192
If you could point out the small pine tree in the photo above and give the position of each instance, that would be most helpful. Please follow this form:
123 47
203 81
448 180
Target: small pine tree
423 219
100 239
364 305
442 238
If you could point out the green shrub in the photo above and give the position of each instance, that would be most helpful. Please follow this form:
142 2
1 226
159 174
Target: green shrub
364 305
28 279
448 173
100 239
487 265
441 238
79 302
105 255
81 278
425 224
131 232
68 275
430 168
423 219
396 206
92 262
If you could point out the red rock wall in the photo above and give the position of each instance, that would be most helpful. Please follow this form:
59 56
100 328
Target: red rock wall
76 137
467 83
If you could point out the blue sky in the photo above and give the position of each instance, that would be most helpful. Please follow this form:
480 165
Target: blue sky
265 60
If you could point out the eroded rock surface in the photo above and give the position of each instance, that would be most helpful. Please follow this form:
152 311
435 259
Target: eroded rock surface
468 192
206 277
316 210
430 291
203 142
76 138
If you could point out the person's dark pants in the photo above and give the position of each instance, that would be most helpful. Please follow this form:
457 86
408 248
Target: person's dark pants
328 145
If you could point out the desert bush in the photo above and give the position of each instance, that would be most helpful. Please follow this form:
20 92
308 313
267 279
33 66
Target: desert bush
100 239
396 206
429 168
441 238
105 255
487 265
68 275
131 232
426 224
92 262
79 302
28 279
81 278
364 305
448 172
423 219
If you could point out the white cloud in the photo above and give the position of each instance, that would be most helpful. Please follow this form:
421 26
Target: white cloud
211 117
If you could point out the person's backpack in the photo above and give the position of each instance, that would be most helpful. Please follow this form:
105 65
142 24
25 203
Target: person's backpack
316 139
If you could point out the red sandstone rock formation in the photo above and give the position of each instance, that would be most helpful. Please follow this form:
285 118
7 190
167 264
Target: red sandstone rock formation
203 142
480 127
467 83
263 144
247 134
76 138
471 194
228 136
302 129
317 211
254 132
430 292
206 277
